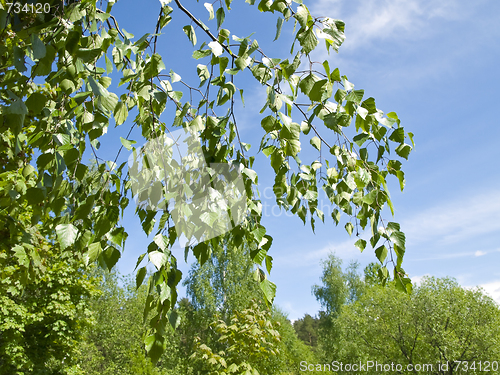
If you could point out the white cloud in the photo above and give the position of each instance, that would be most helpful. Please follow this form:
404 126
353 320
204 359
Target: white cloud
344 250
403 19
455 221
492 289
480 253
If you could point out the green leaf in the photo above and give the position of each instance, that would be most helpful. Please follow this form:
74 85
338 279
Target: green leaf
106 99
165 18
269 290
155 347
35 196
174 319
268 150
316 143
111 257
139 260
72 41
203 73
279 25
403 284
88 55
381 253
259 234
189 31
158 258
22 257
398 135
355 96
269 263
117 236
307 83
361 138
209 218
201 53
360 244
127 143
109 64
370 197
251 174
161 241
321 89
410 135
349 228
220 15
210 9
121 113
335 76
38 47
17 108
395 227
36 101
348 86
153 67
307 40
93 252
139 277
398 238
66 234
302 15
403 150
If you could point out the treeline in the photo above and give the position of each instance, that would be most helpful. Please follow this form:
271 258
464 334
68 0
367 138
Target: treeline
223 327
440 328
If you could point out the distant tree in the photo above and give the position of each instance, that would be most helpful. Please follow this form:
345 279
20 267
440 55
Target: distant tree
219 292
224 283
249 342
307 330
116 348
440 322
338 289
293 349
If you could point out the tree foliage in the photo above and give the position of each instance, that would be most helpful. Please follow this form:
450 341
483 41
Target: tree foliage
307 330
57 102
250 344
439 322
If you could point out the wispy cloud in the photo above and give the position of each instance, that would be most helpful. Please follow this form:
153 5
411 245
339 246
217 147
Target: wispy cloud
455 221
441 226
312 259
369 20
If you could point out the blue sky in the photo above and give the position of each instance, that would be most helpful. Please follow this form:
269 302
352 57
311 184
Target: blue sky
436 65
